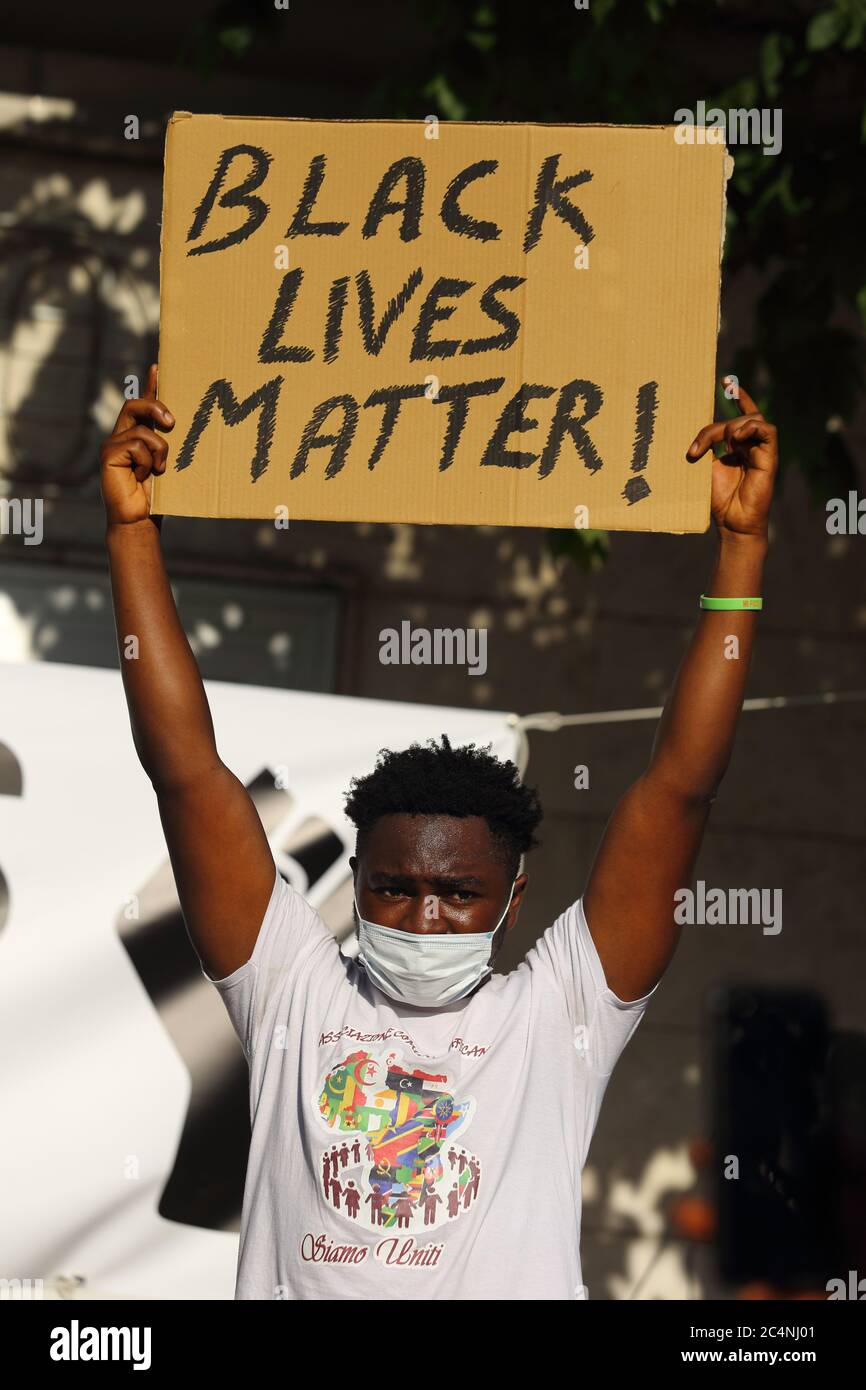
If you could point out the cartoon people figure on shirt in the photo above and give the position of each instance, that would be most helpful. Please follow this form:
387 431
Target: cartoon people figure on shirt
404 1120
431 1200
353 1200
403 1209
326 1172
376 1200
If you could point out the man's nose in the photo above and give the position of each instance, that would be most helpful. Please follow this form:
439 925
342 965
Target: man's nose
422 919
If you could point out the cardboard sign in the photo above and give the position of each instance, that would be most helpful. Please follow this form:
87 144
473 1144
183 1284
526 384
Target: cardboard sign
407 321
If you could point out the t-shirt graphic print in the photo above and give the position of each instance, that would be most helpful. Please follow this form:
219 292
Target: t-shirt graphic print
400 1165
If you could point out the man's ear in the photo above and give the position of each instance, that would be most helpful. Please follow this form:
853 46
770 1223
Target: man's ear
520 886
353 864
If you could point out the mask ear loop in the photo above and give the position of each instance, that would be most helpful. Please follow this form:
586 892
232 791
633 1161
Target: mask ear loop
501 921
510 900
507 906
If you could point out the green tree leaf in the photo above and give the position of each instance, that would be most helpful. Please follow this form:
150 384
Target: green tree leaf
824 30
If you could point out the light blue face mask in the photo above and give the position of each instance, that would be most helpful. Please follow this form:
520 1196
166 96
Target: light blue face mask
426 969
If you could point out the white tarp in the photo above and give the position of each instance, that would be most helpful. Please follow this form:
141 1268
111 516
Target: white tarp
102 1044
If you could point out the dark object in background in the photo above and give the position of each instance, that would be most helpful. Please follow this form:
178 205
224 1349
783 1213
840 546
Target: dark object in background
847 1102
777 1095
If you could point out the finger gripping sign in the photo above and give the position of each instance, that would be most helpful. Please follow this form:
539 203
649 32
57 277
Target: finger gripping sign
508 325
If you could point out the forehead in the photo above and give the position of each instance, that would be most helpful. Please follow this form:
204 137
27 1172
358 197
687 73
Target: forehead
438 844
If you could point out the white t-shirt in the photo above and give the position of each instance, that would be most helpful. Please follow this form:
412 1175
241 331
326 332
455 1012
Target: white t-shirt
403 1152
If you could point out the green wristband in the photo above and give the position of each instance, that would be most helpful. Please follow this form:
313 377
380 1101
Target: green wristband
727 603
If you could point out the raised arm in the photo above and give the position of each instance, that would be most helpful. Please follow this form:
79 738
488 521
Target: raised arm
223 866
651 842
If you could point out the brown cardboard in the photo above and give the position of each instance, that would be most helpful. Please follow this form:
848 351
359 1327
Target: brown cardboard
637 322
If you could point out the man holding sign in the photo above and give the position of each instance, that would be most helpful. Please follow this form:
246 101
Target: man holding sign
419 1125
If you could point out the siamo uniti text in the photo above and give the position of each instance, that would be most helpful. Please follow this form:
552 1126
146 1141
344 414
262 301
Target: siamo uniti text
416 308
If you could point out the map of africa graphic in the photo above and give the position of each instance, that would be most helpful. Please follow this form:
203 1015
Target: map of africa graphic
396 1160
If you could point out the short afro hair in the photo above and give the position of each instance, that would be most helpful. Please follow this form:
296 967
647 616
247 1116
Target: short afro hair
438 780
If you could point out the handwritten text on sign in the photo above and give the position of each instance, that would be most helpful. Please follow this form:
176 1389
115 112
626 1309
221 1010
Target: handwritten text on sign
364 303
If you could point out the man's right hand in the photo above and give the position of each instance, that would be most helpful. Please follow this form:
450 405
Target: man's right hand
132 453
